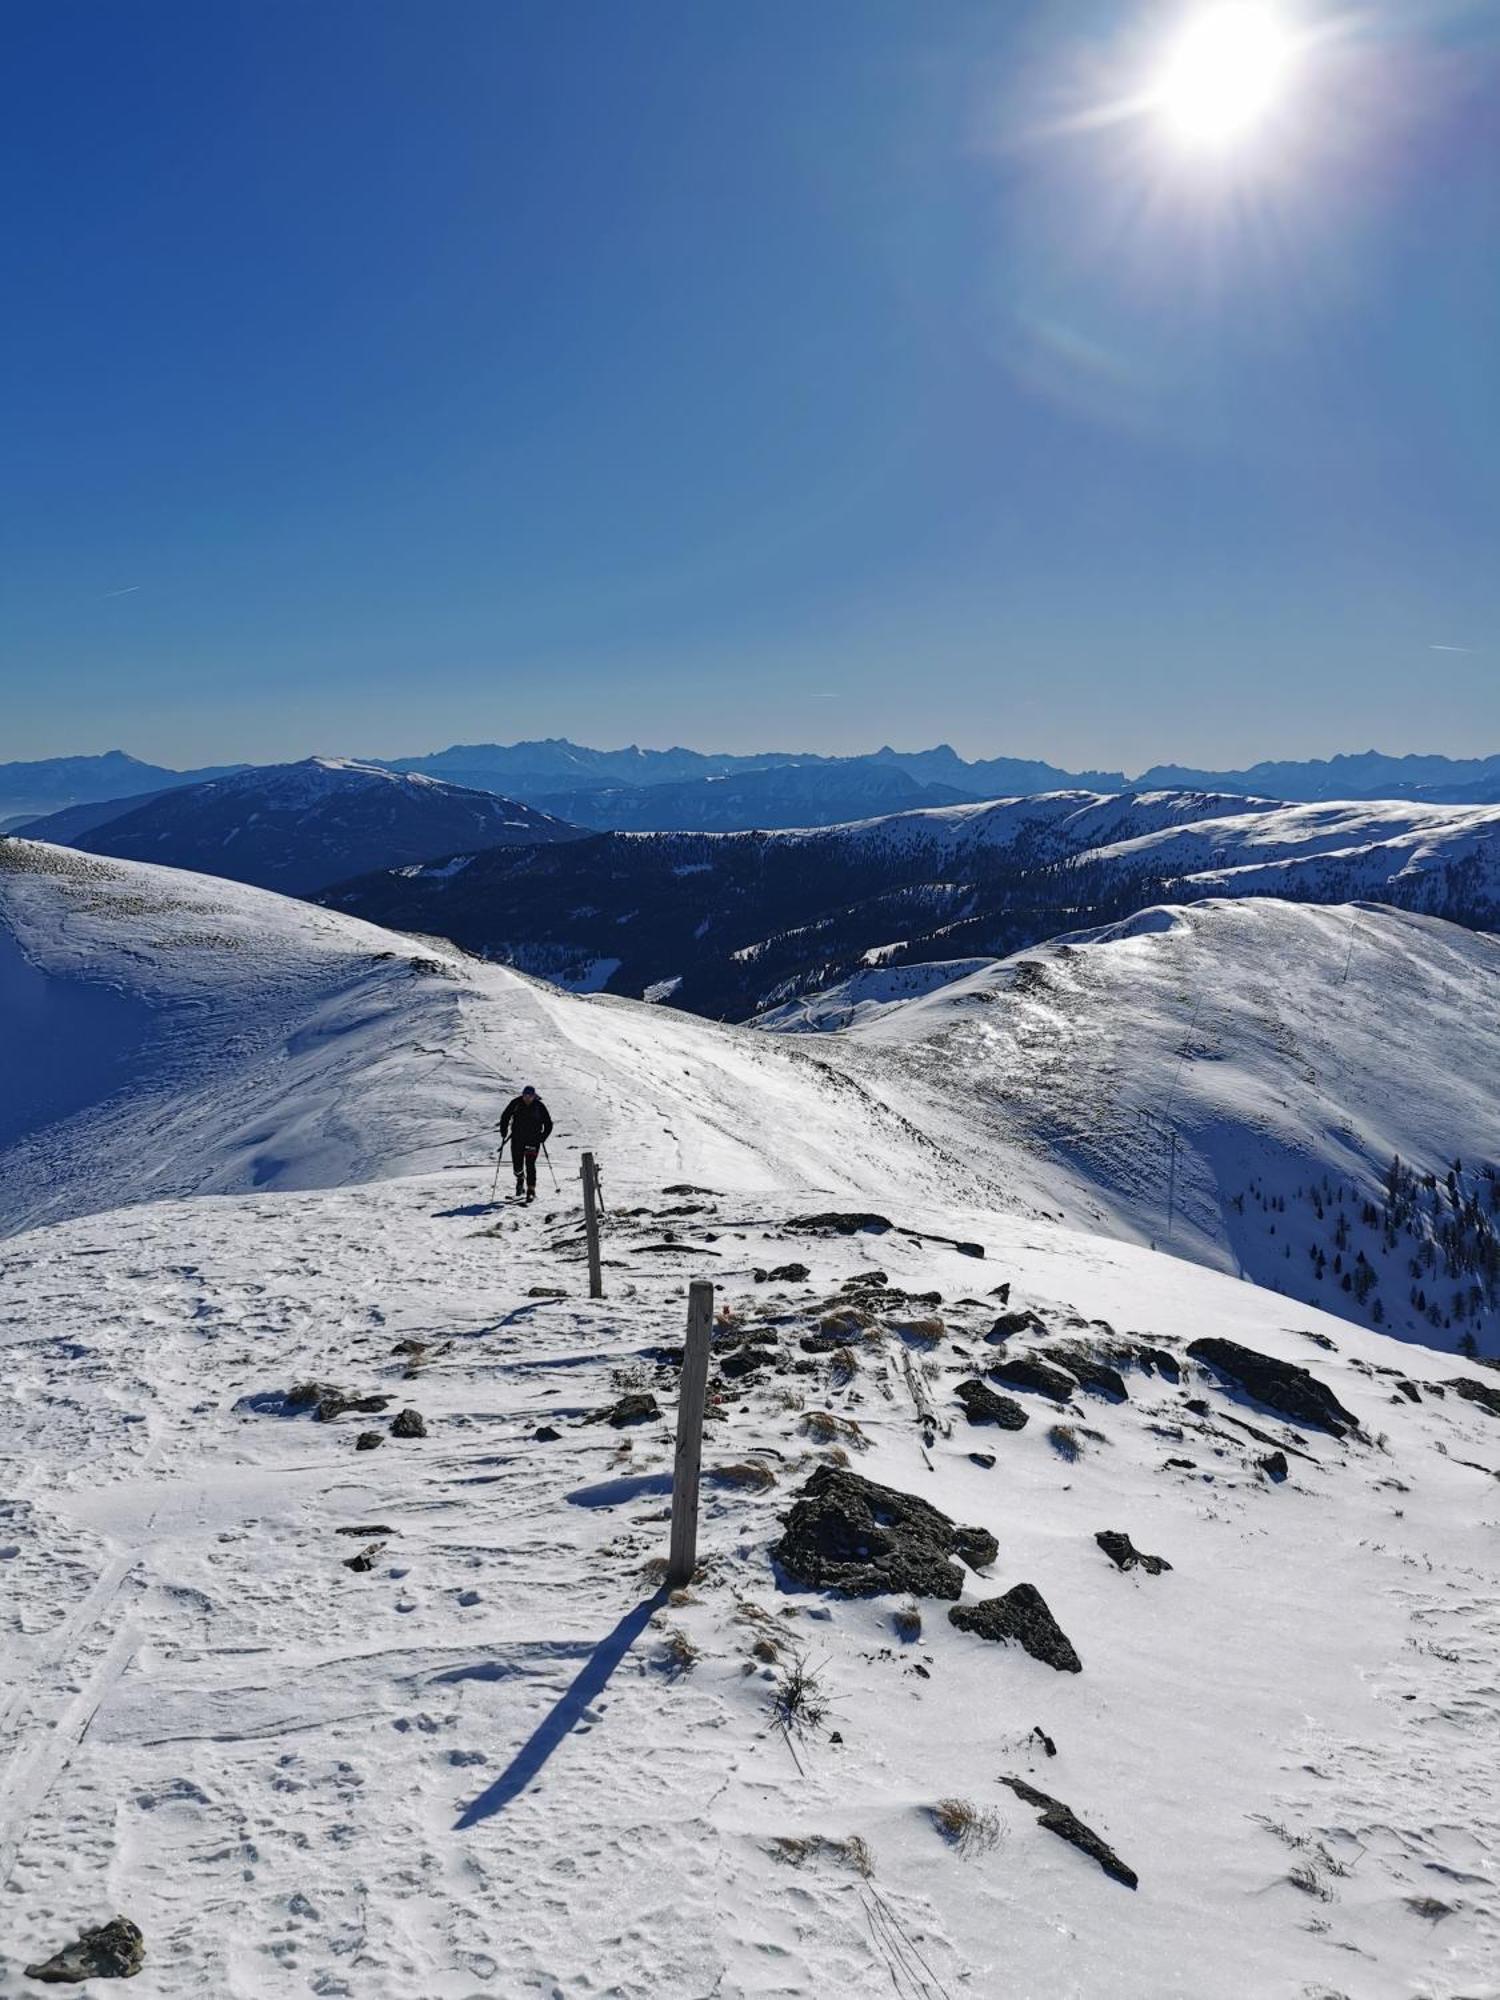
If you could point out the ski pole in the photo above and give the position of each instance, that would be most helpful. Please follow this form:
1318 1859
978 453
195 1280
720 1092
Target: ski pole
550 1168
495 1184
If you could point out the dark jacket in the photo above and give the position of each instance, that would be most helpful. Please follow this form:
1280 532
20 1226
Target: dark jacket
527 1123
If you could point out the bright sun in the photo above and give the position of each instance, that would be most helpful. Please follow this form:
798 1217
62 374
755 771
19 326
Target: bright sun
1225 74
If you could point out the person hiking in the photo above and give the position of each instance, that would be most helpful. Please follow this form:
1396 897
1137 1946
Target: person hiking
528 1121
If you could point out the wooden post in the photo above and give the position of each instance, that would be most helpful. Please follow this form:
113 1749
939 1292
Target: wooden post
689 1460
591 1224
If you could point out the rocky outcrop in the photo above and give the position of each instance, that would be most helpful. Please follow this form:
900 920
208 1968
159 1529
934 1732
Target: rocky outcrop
115 1950
632 1409
983 1406
1124 1554
408 1424
1280 1385
1065 1823
1021 1618
1485 1394
1029 1371
847 1534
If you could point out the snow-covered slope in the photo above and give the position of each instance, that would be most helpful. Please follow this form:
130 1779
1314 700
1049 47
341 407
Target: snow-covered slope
301 827
865 995
496 1759
1232 1080
351 1708
185 1035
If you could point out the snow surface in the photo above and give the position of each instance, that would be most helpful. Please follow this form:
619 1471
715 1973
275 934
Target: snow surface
1279 1043
486 1764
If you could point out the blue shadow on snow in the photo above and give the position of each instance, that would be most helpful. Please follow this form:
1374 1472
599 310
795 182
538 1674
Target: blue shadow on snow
569 1710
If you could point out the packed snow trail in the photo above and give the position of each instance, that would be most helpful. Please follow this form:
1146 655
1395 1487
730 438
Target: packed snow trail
495 1760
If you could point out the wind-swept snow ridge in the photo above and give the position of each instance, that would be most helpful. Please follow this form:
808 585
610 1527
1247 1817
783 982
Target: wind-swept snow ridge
1232 1080
186 1035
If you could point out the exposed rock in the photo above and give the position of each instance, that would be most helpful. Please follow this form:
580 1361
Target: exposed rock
544 1434
115 1950
1014 1322
745 1360
788 1274
1065 1823
365 1560
1021 1615
1027 1371
546 1292
337 1405
1048 1747
847 1534
369 1441
374 1530
985 1459
835 1222
1482 1393
408 1424
633 1409
1097 1375
1274 1466
1409 1390
1123 1553
1281 1385
983 1406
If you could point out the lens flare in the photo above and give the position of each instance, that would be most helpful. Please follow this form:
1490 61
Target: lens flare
1227 72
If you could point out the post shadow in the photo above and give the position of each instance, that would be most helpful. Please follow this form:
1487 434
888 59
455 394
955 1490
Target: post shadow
567 1712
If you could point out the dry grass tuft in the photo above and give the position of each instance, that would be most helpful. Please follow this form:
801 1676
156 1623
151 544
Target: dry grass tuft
825 1428
969 1828
907 1622
1064 1441
798 1849
749 1474
798 1700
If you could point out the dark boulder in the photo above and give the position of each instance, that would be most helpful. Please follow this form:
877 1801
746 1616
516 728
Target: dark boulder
1028 1371
985 1460
1483 1393
408 1424
983 1406
1065 1823
788 1274
1280 1385
1274 1466
1013 1322
544 1434
1021 1617
115 1950
632 1409
745 1360
847 1534
369 1441
365 1560
835 1222
1124 1554
1098 1376
337 1405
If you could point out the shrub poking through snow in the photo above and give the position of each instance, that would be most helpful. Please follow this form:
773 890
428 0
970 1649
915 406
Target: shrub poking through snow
825 1428
907 1621
678 1655
969 1828
796 1849
1064 1441
798 1700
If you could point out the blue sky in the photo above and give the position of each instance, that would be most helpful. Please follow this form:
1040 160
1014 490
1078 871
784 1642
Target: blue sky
378 375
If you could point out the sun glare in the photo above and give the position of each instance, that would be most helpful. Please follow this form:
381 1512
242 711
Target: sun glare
1225 74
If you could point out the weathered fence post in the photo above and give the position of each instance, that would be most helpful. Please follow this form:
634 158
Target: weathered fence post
686 1466
591 1224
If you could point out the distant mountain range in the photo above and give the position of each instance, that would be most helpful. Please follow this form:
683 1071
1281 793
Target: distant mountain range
732 925
299 827
677 789
27 790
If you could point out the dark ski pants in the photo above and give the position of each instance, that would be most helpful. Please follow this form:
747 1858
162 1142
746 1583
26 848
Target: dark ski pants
523 1159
